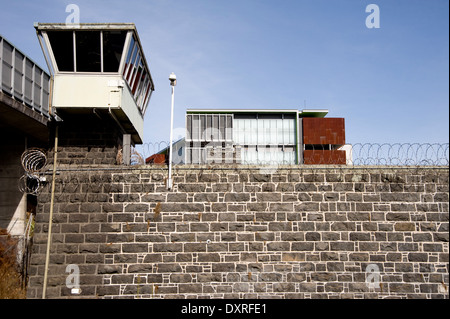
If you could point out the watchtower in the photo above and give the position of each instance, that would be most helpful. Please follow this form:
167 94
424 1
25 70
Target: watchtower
101 85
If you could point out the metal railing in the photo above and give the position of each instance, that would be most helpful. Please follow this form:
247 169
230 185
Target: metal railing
23 79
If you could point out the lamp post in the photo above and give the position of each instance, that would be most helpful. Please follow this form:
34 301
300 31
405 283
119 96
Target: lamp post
173 82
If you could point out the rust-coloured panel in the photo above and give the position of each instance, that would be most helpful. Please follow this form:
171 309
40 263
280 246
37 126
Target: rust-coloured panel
323 131
312 157
156 159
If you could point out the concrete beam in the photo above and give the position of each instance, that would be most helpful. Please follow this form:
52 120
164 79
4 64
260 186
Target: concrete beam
15 114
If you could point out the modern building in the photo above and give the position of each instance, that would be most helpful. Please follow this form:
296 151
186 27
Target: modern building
265 137
101 86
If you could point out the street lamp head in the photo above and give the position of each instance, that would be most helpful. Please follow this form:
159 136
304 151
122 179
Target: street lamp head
173 79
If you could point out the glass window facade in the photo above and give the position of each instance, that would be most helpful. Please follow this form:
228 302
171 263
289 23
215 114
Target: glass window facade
266 139
209 139
209 127
244 138
268 155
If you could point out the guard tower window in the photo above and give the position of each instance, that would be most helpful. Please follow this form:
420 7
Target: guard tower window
88 51
134 73
62 46
130 58
113 43
89 48
140 75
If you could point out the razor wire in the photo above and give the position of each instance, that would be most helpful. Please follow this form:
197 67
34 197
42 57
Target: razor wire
352 155
33 161
358 154
400 154
136 158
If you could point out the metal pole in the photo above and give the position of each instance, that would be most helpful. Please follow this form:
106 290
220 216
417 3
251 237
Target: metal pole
169 181
50 221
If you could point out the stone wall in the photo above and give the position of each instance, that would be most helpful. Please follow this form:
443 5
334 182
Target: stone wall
240 233
86 140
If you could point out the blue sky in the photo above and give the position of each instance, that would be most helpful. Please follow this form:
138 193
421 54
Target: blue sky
391 84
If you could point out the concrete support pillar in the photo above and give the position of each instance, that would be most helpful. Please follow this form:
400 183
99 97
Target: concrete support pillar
126 149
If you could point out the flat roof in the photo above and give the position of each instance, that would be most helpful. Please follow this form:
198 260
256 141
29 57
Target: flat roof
84 26
302 113
240 111
313 113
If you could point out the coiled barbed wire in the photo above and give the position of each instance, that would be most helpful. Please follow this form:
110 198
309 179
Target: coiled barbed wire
401 154
29 184
358 154
135 159
33 161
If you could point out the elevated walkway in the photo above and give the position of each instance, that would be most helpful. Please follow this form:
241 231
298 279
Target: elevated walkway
24 116
24 93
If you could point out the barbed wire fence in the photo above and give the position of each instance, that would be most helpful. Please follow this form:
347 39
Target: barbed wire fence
358 154
398 154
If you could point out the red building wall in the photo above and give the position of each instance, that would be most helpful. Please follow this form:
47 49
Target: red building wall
323 131
322 137
311 157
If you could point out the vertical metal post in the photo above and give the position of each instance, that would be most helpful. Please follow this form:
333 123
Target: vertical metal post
13 70
169 180
50 221
101 51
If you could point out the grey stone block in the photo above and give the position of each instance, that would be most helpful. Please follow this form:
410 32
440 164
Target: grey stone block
237 197
168 267
109 269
